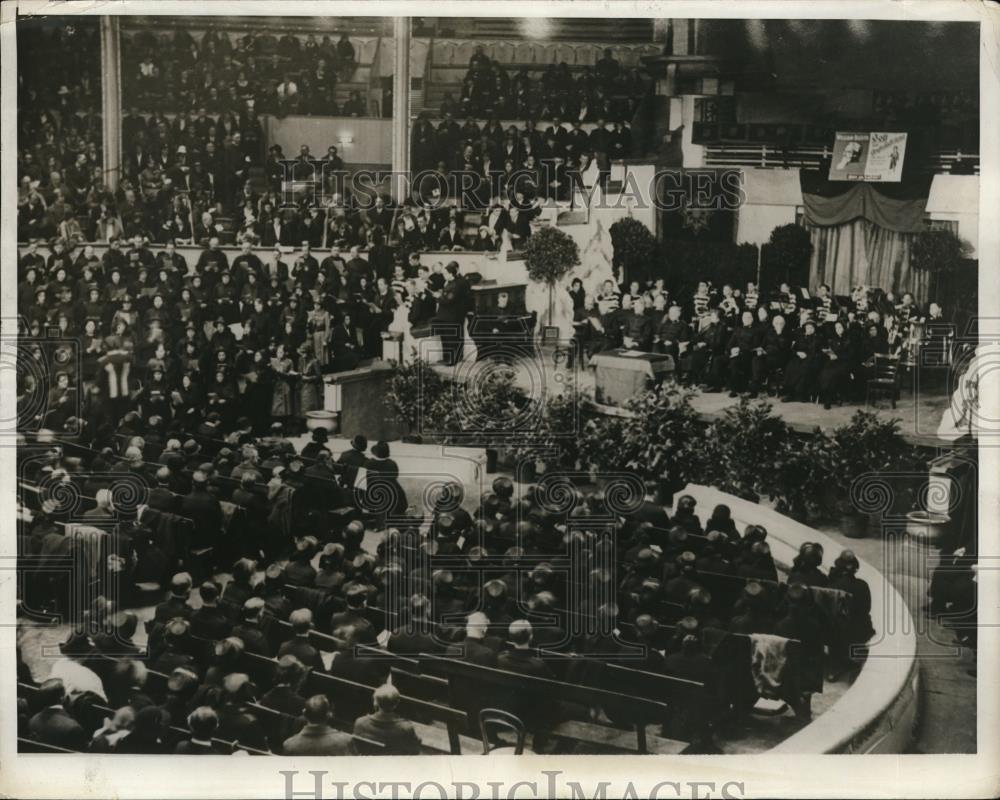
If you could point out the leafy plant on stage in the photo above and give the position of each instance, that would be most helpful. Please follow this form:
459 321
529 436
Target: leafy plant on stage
488 407
414 395
549 255
658 441
786 254
635 248
800 475
556 439
869 443
940 254
742 450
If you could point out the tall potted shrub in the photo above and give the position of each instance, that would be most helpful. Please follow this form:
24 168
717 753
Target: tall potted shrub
634 248
787 254
549 254
939 254
867 444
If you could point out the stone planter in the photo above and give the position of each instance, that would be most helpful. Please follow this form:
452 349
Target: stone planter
853 525
926 527
323 419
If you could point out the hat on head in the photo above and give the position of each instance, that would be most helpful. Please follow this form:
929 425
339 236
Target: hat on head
191 447
354 589
380 450
359 443
320 435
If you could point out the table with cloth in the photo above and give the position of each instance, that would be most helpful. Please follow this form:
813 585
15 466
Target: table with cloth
621 373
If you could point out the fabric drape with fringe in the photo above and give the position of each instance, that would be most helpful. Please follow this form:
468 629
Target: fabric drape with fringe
863 253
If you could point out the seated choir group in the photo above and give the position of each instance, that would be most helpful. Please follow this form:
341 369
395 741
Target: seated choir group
677 583
172 337
785 343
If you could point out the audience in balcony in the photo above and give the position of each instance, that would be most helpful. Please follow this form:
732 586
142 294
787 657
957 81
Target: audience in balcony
283 75
488 90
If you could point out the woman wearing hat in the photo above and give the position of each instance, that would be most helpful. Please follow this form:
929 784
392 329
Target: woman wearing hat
384 495
282 393
319 326
311 386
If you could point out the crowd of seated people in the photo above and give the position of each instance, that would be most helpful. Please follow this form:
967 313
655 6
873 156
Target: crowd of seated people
605 91
279 75
545 163
784 343
240 334
59 154
253 633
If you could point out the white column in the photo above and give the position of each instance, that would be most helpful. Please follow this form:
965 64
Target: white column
111 100
401 105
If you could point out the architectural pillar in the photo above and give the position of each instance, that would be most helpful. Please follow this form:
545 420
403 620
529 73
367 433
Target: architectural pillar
111 100
401 107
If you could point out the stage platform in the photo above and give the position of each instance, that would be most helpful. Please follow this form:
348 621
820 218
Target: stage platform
919 409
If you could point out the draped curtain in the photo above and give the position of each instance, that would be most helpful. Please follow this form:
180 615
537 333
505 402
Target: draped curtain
861 252
862 234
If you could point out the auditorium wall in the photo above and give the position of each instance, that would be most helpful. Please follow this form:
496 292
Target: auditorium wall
772 197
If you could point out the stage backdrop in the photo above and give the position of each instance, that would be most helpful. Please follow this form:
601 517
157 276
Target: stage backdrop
862 233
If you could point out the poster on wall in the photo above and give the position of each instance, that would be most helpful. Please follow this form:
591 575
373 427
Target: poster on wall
874 157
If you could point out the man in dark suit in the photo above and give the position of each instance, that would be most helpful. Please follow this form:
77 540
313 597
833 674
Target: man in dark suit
302 623
176 604
209 622
203 509
670 332
53 725
388 727
478 647
620 142
284 697
536 711
742 346
415 637
160 496
236 722
354 615
275 268
353 459
637 327
317 738
203 723
250 631
449 322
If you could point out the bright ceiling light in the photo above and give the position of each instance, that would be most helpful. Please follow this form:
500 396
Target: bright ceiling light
536 28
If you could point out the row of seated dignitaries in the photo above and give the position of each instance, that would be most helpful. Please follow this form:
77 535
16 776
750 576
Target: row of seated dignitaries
313 590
